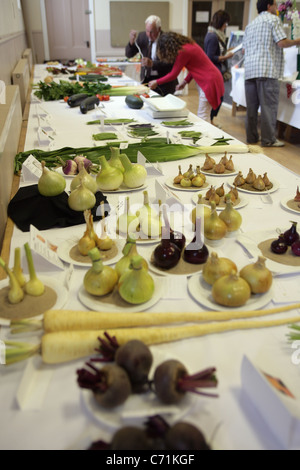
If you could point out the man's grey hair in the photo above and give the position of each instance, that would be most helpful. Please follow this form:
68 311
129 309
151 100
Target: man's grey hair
153 19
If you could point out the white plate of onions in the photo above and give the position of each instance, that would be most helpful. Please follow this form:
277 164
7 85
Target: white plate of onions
201 292
99 304
64 249
249 191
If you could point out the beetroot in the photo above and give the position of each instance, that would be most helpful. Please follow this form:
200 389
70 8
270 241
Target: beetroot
136 358
110 385
172 381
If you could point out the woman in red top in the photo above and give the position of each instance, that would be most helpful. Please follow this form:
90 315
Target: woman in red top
187 53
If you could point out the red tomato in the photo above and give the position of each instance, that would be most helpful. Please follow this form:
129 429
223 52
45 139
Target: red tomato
66 98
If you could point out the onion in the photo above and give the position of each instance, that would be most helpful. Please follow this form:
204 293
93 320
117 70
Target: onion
136 285
89 182
279 245
128 222
135 174
115 159
109 178
99 280
216 267
51 183
214 227
291 235
258 276
196 252
128 252
166 255
231 216
296 248
81 199
231 291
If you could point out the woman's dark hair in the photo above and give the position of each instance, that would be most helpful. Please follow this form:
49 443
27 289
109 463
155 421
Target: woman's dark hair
262 5
219 19
169 44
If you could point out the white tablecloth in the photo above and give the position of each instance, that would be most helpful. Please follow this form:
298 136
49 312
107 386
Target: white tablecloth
62 419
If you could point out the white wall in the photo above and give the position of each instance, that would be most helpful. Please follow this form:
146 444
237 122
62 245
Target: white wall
11 18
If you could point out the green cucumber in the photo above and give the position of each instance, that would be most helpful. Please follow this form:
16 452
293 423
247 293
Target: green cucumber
88 104
76 99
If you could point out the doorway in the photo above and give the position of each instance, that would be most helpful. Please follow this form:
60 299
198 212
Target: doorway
68 27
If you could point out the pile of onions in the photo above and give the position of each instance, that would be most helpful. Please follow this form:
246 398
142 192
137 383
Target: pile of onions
216 267
258 276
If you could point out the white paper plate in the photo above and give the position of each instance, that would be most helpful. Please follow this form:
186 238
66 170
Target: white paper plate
243 202
259 193
285 206
124 189
96 304
201 293
61 292
63 251
169 183
137 407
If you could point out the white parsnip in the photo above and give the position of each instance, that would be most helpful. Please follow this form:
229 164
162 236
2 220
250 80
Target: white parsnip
65 320
65 346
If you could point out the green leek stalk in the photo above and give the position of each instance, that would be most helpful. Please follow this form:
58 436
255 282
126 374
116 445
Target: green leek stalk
136 285
34 286
15 293
99 279
17 351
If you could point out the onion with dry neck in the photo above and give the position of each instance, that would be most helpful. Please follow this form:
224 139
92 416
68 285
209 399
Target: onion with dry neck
231 290
81 199
216 267
230 216
51 183
99 279
258 276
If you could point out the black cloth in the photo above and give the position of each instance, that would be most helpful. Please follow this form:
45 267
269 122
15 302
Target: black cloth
161 68
29 207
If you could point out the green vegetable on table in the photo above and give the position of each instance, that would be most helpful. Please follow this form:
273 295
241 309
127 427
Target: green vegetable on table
182 122
111 121
105 136
221 141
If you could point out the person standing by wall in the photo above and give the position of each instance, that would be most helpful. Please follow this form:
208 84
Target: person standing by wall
146 43
188 54
215 47
263 45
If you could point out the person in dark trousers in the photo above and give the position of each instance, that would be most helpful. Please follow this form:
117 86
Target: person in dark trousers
145 42
215 47
263 44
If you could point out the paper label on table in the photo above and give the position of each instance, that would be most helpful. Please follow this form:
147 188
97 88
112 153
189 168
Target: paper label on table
44 248
123 145
167 197
31 169
151 169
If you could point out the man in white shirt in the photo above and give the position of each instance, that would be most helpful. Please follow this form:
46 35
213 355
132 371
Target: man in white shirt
263 45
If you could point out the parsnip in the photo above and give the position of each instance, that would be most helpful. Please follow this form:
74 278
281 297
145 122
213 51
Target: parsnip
66 346
64 320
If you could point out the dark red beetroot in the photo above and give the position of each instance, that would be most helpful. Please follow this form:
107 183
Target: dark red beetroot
172 381
185 436
136 358
110 385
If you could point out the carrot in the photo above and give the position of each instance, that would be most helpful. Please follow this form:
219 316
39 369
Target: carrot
65 320
64 346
